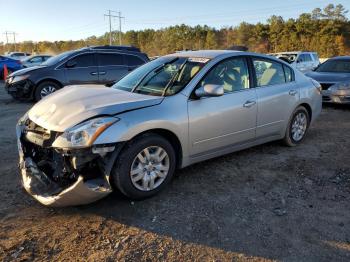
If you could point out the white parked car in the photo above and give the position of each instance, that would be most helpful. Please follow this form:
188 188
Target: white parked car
303 61
34 60
17 55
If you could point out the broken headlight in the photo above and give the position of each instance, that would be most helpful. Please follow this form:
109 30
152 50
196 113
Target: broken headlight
23 119
84 134
18 78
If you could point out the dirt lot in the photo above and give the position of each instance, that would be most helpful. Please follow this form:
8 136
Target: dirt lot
266 203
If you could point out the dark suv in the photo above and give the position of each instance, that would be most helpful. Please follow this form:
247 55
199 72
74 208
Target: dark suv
92 65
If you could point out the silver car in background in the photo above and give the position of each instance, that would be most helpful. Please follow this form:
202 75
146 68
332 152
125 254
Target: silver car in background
34 60
301 60
334 78
81 142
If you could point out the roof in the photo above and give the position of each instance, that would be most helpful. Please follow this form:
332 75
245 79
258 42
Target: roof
341 58
293 52
205 53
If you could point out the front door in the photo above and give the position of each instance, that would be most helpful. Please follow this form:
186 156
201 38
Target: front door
82 69
218 122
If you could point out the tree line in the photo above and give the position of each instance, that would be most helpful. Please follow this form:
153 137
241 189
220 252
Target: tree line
326 31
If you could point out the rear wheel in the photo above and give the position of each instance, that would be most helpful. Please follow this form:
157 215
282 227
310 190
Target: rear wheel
44 89
297 127
144 166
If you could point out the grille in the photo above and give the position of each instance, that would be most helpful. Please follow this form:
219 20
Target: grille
326 98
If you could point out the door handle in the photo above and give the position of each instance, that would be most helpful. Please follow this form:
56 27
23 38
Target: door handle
93 73
249 103
102 73
293 92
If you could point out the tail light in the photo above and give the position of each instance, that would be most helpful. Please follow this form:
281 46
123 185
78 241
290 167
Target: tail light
317 85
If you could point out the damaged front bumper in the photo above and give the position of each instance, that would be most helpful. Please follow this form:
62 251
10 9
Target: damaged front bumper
21 90
86 183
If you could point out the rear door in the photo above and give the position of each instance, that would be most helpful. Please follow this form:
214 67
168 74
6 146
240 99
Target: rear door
111 67
81 69
277 94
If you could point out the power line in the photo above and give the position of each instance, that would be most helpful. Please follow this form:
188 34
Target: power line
213 16
120 17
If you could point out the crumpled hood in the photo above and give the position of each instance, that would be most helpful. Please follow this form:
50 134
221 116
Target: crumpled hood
324 77
74 104
26 70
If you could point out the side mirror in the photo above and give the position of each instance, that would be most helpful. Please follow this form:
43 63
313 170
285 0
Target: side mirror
209 90
299 60
71 63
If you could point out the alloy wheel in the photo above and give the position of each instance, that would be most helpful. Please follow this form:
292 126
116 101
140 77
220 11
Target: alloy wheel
47 90
150 168
299 126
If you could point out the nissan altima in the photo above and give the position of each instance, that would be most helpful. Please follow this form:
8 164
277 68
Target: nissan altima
82 142
334 77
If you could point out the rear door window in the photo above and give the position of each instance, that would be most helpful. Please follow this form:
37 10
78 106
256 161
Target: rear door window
85 60
308 58
268 72
109 59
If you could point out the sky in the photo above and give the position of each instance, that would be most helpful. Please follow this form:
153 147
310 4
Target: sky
51 20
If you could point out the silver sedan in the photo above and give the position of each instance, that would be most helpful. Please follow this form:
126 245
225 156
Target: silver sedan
81 142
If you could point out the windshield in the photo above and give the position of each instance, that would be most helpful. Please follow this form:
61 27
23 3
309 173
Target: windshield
56 59
335 66
163 76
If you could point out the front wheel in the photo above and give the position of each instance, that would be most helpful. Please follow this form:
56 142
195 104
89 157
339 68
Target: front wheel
44 89
297 127
144 166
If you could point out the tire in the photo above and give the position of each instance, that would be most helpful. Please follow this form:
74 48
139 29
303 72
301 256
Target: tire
297 127
128 162
44 89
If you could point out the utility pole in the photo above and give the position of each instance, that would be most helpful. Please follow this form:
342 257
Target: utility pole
14 39
8 33
110 16
120 27
7 41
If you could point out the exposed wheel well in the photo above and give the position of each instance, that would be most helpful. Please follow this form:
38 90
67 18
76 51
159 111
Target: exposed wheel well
308 108
172 138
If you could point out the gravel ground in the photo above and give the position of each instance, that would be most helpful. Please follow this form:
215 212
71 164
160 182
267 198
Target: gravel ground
266 203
